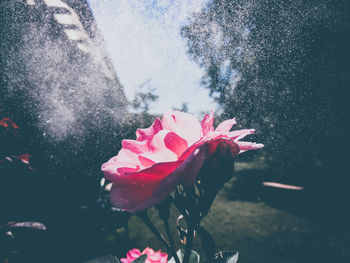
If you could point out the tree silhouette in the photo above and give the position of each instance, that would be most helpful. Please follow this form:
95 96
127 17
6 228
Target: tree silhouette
282 67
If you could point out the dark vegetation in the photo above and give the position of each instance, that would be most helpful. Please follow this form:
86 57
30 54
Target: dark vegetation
60 188
283 68
292 61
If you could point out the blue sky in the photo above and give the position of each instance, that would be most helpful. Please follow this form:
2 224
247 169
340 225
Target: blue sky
143 40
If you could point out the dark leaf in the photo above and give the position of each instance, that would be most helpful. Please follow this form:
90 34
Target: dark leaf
221 165
226 257
141 259
163 209
194 257
233 259
208 242
105 259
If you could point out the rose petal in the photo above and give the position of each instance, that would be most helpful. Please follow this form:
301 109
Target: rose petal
151 174
240 134
133 254
245 146
141 190
135 146
175 143
222 144
113 170
125 161
154 257
164 257
146 162
226 126
148 133
207 123
158 150
183 124
131 198
148 251
126 156
192 164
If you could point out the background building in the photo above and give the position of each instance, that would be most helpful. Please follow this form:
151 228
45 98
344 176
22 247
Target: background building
59 86
55 69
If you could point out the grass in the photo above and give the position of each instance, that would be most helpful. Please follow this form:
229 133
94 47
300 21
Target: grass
260 234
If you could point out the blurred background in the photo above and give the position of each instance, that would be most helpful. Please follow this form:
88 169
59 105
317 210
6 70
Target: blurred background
79 76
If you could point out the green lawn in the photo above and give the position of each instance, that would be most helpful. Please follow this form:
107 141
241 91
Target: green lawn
261 234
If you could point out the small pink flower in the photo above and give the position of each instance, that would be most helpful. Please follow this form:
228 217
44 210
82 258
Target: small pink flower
152 256
170 152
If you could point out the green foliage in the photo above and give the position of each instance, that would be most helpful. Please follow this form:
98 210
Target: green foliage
233 259
184 107
104 259
194 257
276 66
144 97
141 259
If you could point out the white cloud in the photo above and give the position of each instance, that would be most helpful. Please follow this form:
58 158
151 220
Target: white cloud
144 42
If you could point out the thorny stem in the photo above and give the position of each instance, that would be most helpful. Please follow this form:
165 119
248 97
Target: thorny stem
191 223
180 209
189 240
164 212
208 242
171 241
155 231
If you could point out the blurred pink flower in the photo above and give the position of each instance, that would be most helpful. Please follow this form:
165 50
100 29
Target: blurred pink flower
25 157
152 256
8 123
8 126
170 152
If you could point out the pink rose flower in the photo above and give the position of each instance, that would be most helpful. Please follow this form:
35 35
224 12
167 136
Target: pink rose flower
152 256
170 152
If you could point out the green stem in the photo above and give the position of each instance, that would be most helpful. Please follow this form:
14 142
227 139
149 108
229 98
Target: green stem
155 231
171 241
189 241
180 209
208 242
191 221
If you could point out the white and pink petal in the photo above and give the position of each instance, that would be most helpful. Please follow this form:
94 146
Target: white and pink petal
207 123
148 133
226 126
183 124
246 146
